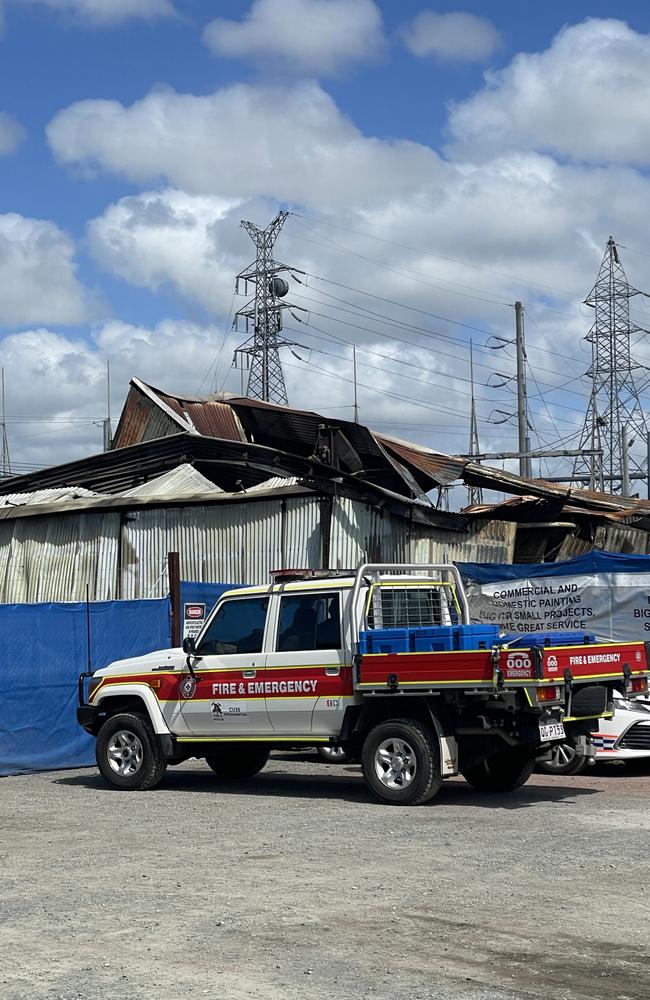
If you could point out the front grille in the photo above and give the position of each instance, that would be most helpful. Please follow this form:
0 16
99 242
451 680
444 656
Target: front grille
637 737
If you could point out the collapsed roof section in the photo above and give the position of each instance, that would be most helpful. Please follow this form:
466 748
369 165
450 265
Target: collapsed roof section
408 470
238 444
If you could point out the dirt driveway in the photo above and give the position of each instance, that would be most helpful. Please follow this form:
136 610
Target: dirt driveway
297 885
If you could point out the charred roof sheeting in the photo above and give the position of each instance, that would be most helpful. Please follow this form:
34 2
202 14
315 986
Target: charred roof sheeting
540 489
351 447
342 444
232 465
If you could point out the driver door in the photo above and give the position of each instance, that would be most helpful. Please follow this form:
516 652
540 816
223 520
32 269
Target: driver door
228 700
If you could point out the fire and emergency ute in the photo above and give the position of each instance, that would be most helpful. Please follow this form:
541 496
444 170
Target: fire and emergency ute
383 662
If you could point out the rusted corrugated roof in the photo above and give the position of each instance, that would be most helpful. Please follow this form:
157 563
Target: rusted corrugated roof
583 503
443 469
210 417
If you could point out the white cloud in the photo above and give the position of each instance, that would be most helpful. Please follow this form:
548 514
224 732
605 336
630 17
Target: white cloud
228 143
11 132
105 13
312 36
56 384
39 282
457 36
161 238
585 97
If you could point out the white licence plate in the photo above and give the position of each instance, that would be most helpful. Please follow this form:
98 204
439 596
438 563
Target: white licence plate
551 731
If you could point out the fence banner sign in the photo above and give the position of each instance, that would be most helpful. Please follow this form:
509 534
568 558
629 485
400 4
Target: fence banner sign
601 592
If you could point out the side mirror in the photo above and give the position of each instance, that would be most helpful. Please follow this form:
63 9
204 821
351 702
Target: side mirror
189 646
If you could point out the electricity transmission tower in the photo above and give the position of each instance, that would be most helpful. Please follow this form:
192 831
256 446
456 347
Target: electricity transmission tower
614 415
262 315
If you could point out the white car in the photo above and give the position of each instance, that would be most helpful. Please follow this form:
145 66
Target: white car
625 737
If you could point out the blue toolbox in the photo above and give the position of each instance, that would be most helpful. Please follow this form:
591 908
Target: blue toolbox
428 639
476 636
436 639
529 639
384 640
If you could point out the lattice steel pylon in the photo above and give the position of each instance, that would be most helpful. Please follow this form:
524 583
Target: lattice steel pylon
614 411
260 353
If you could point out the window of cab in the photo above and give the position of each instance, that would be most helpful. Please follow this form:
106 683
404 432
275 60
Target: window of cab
237 627
309 622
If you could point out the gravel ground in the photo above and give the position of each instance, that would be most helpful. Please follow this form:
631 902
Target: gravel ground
297 885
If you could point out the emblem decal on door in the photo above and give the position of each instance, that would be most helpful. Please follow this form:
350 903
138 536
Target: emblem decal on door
228 710
188 687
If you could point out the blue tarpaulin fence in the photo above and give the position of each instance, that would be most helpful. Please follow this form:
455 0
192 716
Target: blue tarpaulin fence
44 648
596 561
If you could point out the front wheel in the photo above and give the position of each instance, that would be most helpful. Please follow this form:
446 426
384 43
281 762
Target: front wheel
503 772
128 753
400 762
563 760
234 761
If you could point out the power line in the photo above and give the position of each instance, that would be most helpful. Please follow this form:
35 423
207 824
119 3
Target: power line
424 312
428 253
405 326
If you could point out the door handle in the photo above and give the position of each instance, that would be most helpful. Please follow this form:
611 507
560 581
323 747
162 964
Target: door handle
332 671
249 673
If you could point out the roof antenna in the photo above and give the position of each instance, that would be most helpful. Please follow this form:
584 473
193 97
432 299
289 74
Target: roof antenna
6 463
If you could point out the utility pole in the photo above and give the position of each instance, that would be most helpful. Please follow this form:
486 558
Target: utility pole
523 424
474 493
108 430
525 468
354 369
614 403
260 354
6 463
625 466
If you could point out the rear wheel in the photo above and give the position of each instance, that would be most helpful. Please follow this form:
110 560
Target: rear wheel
401 762
563 760
234 761
128 753
503 772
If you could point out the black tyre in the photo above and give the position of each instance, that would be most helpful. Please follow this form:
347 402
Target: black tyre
503 772
400 761
334 755
233 761
128 753
564 760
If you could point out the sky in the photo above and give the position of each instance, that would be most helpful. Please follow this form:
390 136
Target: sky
439 161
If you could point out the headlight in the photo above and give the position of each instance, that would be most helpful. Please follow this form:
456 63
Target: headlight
630 705
94 684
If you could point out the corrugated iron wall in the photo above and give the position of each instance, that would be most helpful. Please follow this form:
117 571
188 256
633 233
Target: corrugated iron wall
54 558
124 556
230 543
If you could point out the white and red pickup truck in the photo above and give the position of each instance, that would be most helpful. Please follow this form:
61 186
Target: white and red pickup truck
382 662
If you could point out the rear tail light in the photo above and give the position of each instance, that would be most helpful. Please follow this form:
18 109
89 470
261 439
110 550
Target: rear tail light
551 693
639 685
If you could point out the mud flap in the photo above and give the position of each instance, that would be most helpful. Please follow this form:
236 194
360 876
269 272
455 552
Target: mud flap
448 756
